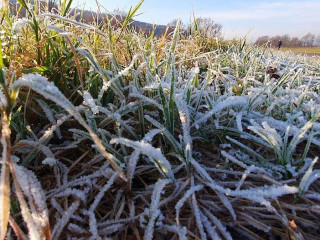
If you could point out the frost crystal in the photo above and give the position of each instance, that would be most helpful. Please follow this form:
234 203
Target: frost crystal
154 153
154 211
89 101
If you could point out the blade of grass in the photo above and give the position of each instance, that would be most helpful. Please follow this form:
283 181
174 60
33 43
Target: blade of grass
5 173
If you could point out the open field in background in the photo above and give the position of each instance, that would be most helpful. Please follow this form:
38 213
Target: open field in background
107 133
307 50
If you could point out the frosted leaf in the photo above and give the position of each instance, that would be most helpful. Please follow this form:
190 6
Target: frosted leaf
174 143
315 175
197 212
238 121
32 189
304 181
218 225
50 161
18 25
47 89
14 159
268 134
154 211
37 201
3 99
111 229
150 135
56 205
185 122
153 153
49 114
146 99
181 231
63 221
106 82
48 133
89 101
232 101
225 201
76 229
244 176
255 223
258 194
133 159
93 226
117 117
102 192
185 197
202 172
210 229
125 71
74 192
315 196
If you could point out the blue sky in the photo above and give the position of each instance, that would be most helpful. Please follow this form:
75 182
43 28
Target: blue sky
238 17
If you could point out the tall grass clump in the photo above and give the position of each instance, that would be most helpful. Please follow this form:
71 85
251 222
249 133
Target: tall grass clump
110 133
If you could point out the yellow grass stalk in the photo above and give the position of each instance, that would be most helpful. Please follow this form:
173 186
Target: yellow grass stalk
4 178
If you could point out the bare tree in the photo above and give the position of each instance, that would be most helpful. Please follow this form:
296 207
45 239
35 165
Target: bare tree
208 27
262 40
317 40
172 24
295 42
308 40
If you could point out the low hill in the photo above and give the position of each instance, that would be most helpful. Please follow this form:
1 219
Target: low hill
91 16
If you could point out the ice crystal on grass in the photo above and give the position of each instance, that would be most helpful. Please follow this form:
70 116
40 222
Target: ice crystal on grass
197 212
209 228
63 221
3 99
89 101
182 200
102 192
218 224
154 154
181 231
154 214
50 161
32 189
18 25
38 218
309 177
185 122
233 101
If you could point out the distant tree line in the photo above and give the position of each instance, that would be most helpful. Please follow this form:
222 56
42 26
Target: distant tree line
206 27
308 40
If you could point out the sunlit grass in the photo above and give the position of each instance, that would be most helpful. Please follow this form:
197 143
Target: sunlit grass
307 50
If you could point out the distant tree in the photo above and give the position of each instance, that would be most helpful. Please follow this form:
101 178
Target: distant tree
295 42
275 40
308 40
262 40
120 13
172 24
208 27
285 40
317 41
